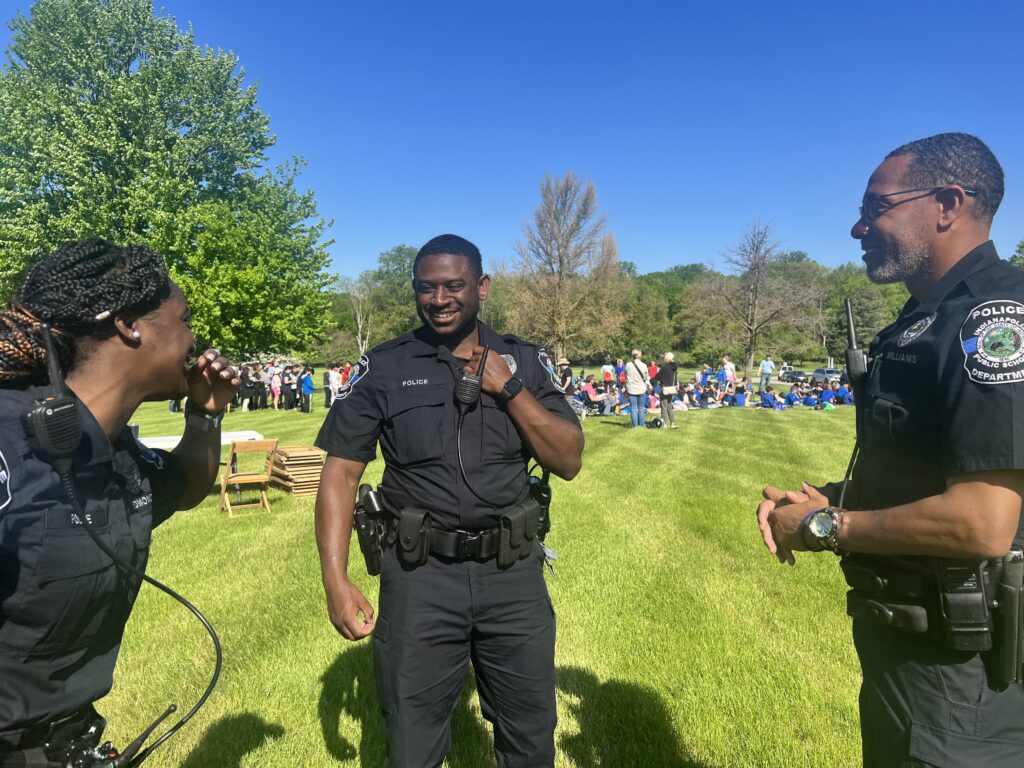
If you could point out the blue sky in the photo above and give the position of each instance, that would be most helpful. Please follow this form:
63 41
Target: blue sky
691 119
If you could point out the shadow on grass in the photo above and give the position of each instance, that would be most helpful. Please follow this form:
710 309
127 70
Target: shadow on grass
230 739
620 724
349 689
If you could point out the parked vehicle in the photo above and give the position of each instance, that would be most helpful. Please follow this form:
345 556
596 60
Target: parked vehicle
784 372
823 375
796 376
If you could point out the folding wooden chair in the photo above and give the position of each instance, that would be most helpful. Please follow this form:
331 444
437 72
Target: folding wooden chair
233 476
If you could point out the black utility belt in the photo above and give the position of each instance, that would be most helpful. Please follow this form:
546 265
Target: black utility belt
61 731
967 605
415 537
380 525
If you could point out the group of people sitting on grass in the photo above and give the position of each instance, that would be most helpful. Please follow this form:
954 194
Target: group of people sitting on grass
821 397
637 386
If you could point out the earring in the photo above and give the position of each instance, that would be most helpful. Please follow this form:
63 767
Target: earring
135 334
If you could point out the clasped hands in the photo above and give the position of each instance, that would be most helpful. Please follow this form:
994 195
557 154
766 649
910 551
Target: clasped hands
779 517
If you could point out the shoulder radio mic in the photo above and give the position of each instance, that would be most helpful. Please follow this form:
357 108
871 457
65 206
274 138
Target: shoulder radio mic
467 388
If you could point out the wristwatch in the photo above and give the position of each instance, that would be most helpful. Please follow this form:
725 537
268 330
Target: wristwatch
512 388
820 529
197 418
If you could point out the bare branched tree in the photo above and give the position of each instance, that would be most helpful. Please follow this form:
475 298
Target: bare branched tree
762 295
568 270
359 292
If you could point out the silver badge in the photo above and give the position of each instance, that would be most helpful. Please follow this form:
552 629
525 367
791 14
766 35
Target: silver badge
511 362
915 330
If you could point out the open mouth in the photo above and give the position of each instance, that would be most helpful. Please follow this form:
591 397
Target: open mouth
443 317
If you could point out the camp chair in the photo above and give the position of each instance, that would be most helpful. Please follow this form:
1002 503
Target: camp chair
233 476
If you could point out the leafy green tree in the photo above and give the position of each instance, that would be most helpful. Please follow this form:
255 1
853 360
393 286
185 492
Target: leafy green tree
114 123
1018 255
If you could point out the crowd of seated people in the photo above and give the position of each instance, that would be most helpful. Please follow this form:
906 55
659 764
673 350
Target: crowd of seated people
605 395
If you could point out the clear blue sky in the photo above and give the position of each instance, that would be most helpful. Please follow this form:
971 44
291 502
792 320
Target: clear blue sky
691 119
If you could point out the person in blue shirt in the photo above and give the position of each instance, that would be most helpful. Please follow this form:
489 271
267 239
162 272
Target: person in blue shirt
841 393
768 398
793 398
307 389
810 400
705 374
723 378
827 395
739 398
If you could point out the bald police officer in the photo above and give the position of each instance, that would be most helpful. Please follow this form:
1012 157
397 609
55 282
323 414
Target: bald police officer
933 504
462 572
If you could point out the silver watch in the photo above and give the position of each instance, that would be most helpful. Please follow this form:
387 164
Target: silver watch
820 529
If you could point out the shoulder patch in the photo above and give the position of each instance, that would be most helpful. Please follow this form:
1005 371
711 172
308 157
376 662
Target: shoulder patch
148 455
359 372
5 482
545 361
511 362
915 330
992 338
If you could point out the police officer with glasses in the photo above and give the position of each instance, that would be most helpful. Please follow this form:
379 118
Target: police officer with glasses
928 526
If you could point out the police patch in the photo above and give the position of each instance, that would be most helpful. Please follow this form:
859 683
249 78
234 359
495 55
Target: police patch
915 330
511 362
358 373
992 338
5 482
545 361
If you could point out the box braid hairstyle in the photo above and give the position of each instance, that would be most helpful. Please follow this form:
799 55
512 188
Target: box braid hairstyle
79 289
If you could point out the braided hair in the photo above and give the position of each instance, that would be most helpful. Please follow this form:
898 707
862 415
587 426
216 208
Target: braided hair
78 290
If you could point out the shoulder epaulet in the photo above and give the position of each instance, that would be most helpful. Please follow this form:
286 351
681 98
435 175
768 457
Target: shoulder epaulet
1004 279
398 341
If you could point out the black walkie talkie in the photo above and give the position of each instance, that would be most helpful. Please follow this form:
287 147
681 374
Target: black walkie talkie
467 388
856 360
53 426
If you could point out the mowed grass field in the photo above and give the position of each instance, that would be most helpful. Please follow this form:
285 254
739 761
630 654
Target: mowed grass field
681 642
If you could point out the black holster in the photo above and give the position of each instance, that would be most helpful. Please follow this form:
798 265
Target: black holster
540 492
371 528
518 527
413 536
1008 650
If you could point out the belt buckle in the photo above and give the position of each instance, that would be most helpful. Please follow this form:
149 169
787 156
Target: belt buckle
469 544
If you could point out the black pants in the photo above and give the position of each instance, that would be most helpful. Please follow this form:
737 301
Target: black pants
924 705
432 621
290 398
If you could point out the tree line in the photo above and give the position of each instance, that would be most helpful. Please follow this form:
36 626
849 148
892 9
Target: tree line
567 287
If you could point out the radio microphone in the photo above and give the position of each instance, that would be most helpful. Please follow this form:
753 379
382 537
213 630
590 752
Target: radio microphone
467 388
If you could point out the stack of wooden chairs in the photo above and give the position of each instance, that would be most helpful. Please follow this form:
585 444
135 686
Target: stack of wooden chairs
297 469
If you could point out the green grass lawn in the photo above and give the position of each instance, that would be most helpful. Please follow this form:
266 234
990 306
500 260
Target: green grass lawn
681 642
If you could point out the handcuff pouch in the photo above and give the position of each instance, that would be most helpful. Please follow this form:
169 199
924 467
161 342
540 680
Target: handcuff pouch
413 536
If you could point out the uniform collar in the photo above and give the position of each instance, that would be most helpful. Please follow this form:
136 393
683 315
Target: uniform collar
982 257
427 344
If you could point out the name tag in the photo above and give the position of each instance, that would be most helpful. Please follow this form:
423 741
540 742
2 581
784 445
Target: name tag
63 518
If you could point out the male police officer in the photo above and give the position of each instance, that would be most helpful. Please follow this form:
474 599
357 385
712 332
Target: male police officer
936 488
463 577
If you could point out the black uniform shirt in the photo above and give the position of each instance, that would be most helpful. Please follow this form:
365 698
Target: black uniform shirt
402 393
63 604
944 395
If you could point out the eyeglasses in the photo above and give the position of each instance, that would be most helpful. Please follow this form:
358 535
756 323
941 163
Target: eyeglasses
873 206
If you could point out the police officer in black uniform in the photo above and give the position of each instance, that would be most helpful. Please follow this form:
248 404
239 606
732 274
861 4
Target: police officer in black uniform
121 330
449 592
932 508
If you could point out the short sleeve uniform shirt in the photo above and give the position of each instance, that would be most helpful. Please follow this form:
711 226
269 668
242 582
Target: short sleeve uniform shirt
63 604
944 393
401 395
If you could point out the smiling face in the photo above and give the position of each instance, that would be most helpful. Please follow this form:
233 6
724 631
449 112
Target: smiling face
897 242
166 336
448 293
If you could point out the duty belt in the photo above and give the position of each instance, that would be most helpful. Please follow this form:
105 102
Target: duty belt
463 545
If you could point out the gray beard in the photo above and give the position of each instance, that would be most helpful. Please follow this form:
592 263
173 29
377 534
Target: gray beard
911 262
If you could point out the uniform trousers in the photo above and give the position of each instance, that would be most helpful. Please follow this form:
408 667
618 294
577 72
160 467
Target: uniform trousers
922 704
432 621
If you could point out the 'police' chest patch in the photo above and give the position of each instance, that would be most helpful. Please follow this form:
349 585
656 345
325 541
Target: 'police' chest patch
511 362
359 372
545 361
5 482
992 338
915 330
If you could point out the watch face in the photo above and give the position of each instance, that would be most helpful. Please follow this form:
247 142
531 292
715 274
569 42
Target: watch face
820 525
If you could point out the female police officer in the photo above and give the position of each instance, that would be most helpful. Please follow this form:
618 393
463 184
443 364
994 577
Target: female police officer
122 335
